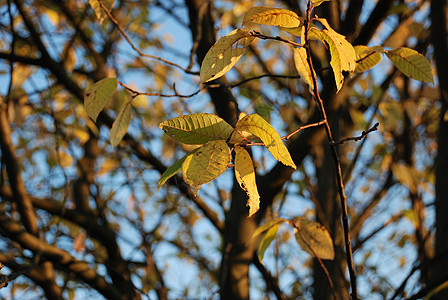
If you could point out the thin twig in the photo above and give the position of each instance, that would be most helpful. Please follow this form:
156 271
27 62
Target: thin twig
112 18
262 76
137 93
259 35
340 183
288 136
357 138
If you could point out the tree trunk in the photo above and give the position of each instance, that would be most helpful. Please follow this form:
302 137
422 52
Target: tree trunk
439 17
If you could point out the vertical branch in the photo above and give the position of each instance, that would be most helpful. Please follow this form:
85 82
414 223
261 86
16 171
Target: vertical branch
340 183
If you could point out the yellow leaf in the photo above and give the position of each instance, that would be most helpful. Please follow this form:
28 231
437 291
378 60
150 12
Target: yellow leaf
224 54
259 127
343 57
245 175
366 58
206 164
120 125
98 95
173 169
272 16
197 128
310 234
411 63
99 11
267 240
319 2
266 226
302 66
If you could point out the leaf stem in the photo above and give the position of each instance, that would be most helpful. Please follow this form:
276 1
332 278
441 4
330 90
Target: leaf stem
340 183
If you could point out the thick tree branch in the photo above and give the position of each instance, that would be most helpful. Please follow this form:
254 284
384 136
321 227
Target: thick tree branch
13 169
82 270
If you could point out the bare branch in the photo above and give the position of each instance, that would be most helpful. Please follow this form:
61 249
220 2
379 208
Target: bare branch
275 38
137 93
357 138
117 24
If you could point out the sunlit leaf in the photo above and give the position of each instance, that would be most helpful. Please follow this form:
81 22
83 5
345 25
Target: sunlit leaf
99 11
267 240
411 63
245 175
302 66
197 128
343 57
259 127
224 54
206 164
313 235
98 95
366 58
173 169
319 2
272 16
266 226
120 125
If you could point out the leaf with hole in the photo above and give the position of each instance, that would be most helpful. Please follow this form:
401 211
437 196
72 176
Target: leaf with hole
313 238
120 125
197 128
272 16
206 164
411 63
224 54
366 58
259 127
245 175
343 57
98 95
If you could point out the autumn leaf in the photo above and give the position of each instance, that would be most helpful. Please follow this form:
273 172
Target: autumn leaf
245 175
313 238
366 58
272 16
98 95
173 169
224 54
261 128
411 63
99 11
303 67
197 128
121 124
206 164
343 57
271 228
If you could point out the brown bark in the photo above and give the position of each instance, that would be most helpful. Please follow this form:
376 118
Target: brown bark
439 30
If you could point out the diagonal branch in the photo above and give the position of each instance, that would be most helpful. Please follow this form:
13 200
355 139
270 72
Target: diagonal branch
60 257
13 169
